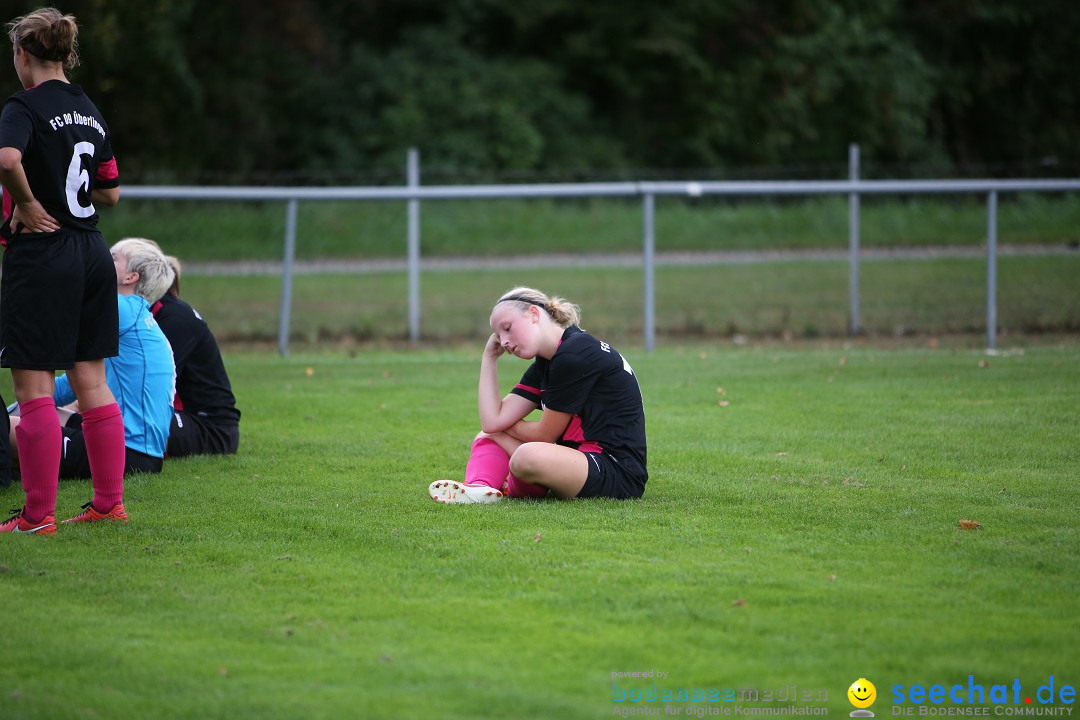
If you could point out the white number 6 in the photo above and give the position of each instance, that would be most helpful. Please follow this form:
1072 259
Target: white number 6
77 179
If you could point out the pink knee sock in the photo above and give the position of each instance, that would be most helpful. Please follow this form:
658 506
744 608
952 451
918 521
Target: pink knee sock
518 488
103 430
488 464
38 438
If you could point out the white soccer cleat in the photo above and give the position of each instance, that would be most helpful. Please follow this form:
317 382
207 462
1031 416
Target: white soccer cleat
451 492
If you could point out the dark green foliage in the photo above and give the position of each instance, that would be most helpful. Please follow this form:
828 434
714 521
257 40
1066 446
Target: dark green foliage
333 91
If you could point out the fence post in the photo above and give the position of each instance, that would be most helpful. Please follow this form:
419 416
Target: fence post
853 239
413 173
287 277
991 270
648 261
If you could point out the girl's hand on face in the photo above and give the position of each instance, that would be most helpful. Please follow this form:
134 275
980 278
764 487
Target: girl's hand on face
493 349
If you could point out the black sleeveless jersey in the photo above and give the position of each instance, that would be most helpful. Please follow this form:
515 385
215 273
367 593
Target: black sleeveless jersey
66 148
589 379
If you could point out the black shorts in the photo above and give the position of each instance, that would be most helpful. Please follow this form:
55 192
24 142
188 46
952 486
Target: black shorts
74 462
190 434
58 302
607 478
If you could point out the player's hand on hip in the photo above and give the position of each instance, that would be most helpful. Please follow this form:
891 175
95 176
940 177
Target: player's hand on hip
33 218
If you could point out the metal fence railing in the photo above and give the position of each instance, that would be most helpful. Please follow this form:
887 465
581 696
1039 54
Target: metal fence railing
414 194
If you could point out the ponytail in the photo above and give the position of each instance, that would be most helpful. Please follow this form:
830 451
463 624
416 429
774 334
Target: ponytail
47 35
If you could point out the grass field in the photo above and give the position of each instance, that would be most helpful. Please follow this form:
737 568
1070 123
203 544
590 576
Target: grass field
248 231
801 527
775 299
927 298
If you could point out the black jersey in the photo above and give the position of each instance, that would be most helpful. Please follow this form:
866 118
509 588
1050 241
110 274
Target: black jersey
202 385
66 149
590 380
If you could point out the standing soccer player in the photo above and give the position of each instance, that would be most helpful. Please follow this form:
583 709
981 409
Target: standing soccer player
58 308
590 438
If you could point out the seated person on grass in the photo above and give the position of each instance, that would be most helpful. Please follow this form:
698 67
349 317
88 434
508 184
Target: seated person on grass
590 439
141 376
205 419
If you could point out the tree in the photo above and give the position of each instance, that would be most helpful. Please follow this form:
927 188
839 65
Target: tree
302 89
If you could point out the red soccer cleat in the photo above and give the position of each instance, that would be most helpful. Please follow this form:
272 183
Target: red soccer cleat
90 514
19 524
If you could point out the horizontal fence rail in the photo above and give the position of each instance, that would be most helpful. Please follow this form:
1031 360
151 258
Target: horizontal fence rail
414 194
579 190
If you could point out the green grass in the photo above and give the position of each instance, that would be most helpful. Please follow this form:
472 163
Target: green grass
800 527
776 299
781 299
245 231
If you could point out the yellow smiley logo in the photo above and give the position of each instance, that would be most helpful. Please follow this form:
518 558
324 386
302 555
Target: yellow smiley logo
862 693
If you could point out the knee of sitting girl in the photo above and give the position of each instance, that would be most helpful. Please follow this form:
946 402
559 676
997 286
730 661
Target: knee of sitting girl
524 463
519 465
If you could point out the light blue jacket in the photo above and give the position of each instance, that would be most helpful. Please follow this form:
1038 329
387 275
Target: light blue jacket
142 378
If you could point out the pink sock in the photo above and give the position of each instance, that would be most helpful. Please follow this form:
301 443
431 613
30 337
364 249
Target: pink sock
103 430
488 464
38 438
518 488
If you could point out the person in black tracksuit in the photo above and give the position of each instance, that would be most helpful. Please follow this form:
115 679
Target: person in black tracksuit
206 420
